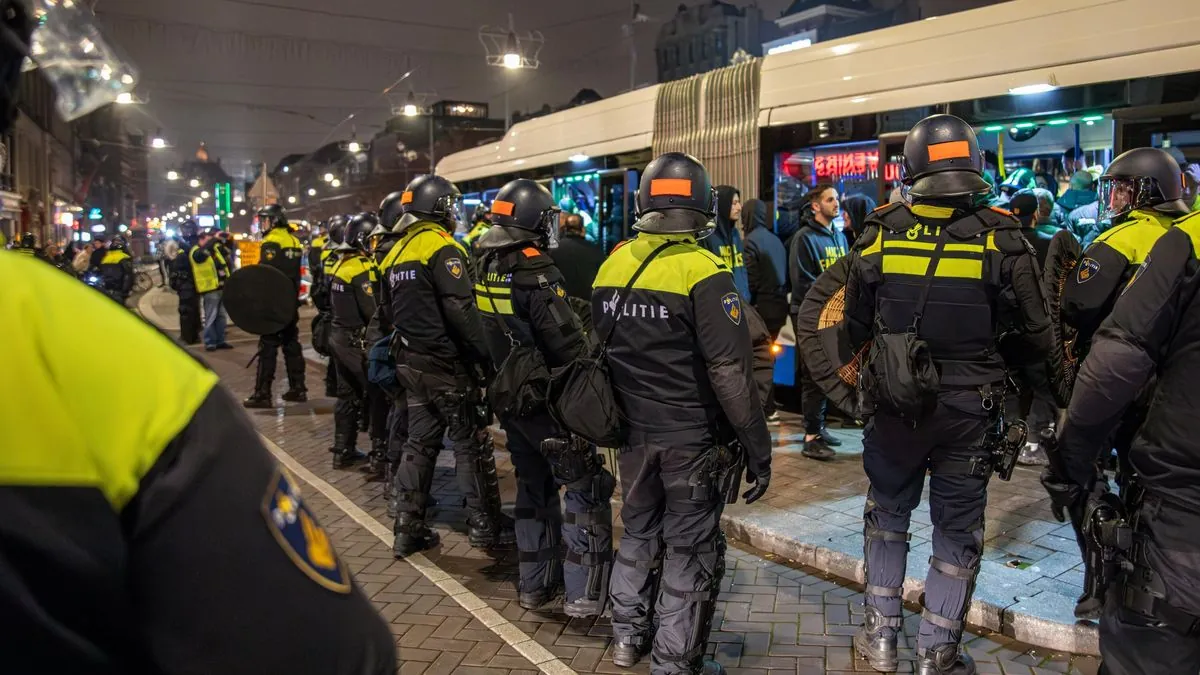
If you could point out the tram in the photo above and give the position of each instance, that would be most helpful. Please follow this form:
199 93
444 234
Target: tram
1050 87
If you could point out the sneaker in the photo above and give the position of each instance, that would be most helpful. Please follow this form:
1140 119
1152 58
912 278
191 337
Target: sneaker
224 345
1033 455
295 395
582 608
817 448
773 418
258 400
830 440
210 348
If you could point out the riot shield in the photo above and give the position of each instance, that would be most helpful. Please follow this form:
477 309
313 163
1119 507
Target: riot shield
260 299
823 339
1063 362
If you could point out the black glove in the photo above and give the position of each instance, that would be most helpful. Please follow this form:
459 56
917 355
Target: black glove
761 480
1065 496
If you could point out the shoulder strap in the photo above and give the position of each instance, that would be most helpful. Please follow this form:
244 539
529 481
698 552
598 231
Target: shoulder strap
929 272
487 261
625 292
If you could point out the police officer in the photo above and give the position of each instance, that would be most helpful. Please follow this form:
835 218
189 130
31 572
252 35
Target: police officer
382 239
481 222
316 249
281 250
158 513
445 361
945 271
352 282
183 282
322 266
1141 193
521 295
680 359
116 269
1151 616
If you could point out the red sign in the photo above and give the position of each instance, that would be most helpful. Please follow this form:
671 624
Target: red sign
853 164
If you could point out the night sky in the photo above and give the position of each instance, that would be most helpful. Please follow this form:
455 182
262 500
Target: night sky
258 79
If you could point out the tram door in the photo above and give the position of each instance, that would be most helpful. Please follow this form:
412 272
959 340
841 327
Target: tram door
617 189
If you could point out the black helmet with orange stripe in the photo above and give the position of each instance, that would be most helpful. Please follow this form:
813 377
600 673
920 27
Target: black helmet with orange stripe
430 198
942 160
523 212
675 196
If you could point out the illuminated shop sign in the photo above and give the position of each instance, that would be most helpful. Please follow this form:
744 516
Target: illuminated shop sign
860 163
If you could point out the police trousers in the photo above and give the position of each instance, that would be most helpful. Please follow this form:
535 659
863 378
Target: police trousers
896 456
1136 642
293 358
355 395
540 524
668 569
434 413
189 318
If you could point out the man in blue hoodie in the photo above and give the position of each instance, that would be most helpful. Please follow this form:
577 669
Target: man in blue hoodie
725 240
816 246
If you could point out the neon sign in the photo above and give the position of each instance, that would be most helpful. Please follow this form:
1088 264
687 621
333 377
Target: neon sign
853 164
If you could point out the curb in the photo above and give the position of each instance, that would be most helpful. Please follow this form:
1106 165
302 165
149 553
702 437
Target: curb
1077 638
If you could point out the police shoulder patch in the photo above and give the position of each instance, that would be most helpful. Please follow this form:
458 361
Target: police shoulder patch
302 538
269 254
455 267
1088 267
732 304
368 288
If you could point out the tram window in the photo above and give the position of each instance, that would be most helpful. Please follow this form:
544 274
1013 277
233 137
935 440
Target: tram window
580 194
853 168
1044 153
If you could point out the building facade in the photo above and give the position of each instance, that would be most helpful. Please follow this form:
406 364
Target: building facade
38 175
806 22
704 37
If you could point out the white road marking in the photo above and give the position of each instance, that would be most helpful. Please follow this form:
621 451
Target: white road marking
512 635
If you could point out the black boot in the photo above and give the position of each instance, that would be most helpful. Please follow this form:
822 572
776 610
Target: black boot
377 460
582 608
412 535
493 531
629 649
945 659
296 395
345 433
876 642
259 399
541 598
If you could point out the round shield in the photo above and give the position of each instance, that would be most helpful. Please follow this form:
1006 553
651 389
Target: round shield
260 299
1062 256
823 339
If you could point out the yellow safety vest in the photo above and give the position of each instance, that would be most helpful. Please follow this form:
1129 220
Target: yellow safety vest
61 431
204 274
113 257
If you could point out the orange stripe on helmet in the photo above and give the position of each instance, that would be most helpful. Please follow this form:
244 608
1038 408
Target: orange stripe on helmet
949 150
407 197
502 208
677 187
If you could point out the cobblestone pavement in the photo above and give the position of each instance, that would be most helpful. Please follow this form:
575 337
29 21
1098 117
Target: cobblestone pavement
455 609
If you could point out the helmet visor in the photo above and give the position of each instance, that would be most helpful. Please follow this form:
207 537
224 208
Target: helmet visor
1121 194
552 219
84 69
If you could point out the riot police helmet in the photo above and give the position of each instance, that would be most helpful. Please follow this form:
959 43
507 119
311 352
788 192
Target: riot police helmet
480 214
354 236
390 209
675 196
28 240
189 231
942 160
271 216
430 198
337 233
118 243
1141 178
522 212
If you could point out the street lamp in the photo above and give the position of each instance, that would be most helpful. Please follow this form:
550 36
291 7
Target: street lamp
328 178
158 143
172 175
194 183
291 199
124 98
242 212
336 183
312 192
204 194
353 146
506 49
410 105
512 52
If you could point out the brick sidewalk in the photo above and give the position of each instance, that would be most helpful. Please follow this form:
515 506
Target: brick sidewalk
772 618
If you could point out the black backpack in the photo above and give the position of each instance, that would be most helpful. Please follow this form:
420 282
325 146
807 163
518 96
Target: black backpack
519 387
581 395
900 377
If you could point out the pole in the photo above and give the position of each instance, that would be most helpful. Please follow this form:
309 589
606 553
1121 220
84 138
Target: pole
432 152
507 114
